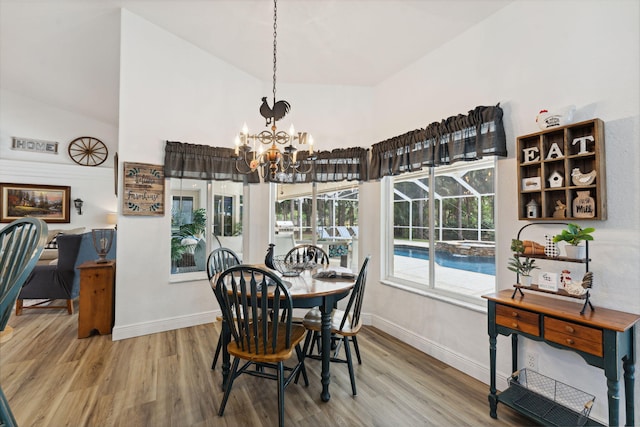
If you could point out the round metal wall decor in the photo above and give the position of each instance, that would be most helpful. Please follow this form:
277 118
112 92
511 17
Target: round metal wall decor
88 151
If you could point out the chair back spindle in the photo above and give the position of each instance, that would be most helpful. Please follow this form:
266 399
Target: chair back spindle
21 243
307 253
354 306
244 294
219 260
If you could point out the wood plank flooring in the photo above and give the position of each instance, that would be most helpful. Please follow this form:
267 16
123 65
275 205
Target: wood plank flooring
51 378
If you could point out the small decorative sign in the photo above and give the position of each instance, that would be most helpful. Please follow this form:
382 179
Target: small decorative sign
34 145
548 281
143 189
583 205
532 183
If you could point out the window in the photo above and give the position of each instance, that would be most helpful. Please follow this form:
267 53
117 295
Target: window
204 216
441 229
336 212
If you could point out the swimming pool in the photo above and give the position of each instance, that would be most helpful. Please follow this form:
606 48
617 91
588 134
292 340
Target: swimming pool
477 264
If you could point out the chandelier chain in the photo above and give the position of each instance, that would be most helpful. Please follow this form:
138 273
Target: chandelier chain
275 45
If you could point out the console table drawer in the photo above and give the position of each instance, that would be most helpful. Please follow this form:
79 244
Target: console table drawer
579 337
520 320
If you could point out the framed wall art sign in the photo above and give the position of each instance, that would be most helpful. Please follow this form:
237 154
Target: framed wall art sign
48 202
34 145
143 189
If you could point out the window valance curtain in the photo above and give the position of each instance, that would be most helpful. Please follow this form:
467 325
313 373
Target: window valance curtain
457 138
192 161
331 166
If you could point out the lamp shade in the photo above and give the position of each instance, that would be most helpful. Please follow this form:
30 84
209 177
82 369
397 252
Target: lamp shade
112 218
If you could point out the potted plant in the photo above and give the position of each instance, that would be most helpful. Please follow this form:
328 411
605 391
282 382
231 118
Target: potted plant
519 264
573 235
185 239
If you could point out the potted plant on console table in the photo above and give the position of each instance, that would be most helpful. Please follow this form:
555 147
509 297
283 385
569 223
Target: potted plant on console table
520 264
573 235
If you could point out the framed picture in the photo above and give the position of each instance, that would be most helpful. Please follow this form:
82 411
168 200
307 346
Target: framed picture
48 202
143 189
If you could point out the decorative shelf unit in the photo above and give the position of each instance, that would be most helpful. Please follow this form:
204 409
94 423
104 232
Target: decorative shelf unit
534 287
563 166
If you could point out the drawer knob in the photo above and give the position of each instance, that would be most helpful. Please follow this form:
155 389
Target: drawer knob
515 325
570 341
569 329
514 314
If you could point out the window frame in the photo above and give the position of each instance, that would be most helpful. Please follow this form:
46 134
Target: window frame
430 288
205 197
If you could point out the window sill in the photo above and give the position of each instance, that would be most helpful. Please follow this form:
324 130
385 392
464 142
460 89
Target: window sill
479 307
188 277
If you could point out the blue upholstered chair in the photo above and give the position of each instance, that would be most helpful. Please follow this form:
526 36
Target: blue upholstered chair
61 281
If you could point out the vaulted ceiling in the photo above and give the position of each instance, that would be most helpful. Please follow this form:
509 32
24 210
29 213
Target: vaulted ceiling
66 52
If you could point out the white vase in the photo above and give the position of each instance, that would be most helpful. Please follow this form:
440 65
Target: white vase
525 280
576 252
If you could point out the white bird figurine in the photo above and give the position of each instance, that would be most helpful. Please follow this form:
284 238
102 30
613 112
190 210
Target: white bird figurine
581 179
579 288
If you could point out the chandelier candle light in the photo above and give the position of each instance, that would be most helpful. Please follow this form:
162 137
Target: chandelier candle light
281 163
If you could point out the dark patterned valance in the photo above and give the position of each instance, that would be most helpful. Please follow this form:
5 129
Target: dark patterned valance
340 164
191 161
470 137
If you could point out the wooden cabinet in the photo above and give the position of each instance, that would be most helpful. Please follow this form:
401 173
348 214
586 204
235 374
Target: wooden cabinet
561 173
602 338
97 283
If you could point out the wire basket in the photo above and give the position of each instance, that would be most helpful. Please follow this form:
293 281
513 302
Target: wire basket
286 268
555 402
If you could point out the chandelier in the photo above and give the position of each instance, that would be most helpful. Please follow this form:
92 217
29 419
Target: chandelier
281 163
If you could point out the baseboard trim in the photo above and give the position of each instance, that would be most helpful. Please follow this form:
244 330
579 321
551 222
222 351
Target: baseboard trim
162 325
436 350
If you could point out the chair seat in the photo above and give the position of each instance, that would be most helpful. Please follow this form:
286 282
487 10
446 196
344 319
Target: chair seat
313 321
281 352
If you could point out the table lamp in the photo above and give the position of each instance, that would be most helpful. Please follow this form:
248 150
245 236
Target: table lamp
102 240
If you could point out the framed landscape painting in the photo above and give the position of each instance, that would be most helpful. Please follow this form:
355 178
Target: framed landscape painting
48 202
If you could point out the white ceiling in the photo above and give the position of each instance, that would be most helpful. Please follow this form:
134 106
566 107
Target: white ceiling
65 52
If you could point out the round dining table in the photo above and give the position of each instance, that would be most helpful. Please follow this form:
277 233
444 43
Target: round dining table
308 290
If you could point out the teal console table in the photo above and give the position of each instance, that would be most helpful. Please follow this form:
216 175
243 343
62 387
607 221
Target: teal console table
603 338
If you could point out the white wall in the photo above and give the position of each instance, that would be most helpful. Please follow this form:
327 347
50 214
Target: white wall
172 90
24 117
528 56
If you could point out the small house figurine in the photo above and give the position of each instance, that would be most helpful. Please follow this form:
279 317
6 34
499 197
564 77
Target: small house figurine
555 180
533 209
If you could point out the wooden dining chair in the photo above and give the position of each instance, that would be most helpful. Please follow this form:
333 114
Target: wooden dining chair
345 325
21 243
219 260
307 254
258 308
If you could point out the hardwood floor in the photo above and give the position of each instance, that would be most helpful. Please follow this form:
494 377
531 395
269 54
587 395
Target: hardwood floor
51 378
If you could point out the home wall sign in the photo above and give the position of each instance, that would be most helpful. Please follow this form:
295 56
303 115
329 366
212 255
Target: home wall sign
34 145
143 186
